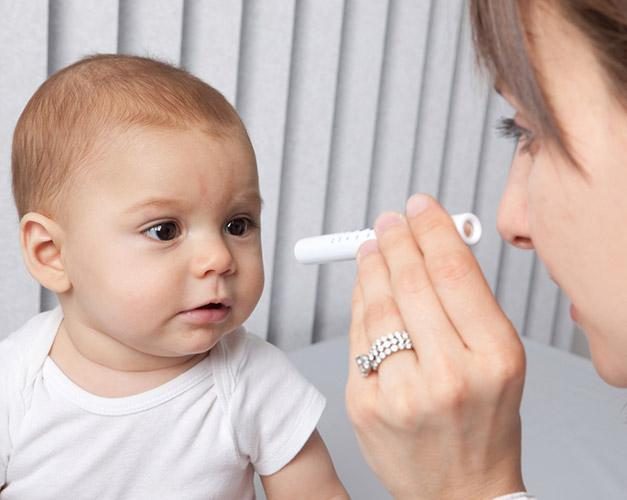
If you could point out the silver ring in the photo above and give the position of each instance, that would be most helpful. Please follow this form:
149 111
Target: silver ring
383 347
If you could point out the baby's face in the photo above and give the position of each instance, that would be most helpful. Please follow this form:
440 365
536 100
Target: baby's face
162 242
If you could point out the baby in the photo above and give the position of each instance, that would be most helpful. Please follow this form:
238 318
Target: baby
138 194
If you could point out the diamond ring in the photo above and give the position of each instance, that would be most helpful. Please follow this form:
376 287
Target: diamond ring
383 347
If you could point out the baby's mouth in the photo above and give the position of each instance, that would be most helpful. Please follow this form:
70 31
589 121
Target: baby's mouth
218 308
217 305
213 305
211 312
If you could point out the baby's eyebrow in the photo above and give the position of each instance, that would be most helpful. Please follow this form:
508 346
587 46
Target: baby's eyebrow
155 203
252 197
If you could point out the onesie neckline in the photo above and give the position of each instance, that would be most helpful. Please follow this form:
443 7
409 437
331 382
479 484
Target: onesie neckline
125 405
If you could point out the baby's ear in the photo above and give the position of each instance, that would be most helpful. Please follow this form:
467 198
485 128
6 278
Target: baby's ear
41 239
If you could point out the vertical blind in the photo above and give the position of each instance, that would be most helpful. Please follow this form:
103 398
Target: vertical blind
351 105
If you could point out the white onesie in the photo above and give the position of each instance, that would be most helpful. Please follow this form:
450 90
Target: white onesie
243 408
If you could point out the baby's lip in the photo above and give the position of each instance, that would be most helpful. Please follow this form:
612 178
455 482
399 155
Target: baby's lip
223 302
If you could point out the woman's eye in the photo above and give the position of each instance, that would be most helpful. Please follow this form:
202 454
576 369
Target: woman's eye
164 231
508 127
238 226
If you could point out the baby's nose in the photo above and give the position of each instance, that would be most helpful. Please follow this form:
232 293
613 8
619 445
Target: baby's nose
213 256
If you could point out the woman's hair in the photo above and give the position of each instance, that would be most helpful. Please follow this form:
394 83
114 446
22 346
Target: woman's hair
93 99
499 28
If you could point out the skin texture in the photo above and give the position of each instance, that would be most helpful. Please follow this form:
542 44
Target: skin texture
572 218
125 288
440 421
124 309
443 421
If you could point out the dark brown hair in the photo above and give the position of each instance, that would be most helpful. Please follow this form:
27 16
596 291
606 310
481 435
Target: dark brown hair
499 29
91 98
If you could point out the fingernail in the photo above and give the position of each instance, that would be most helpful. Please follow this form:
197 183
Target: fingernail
368 247
386 221
416 205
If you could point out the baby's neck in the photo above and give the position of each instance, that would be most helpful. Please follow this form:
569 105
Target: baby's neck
111 382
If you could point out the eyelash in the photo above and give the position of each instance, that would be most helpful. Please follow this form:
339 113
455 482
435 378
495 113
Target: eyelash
250 225
507 127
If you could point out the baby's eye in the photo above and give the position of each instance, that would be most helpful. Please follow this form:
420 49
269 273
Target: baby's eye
164 231
239 226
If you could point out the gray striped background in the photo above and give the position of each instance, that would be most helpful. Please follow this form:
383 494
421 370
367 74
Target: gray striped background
351 105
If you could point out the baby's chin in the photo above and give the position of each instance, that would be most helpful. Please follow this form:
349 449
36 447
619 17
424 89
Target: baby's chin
199 341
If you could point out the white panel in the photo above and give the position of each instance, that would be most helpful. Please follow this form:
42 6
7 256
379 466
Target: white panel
210 47
262 102
543 297
79 28
48 300
462 150
151 28
23 70
513 283
402 82
308 146
563 326
351 156
579 344
494 167
354 137
439 71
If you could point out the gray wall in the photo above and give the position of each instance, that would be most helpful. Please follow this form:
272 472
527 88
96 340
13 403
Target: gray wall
351 105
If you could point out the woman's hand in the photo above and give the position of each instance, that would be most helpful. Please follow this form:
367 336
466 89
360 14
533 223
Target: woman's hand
442 420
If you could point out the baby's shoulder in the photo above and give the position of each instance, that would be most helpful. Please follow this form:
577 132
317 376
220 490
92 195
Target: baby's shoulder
23 352
242 347
242 357
10 358
12 368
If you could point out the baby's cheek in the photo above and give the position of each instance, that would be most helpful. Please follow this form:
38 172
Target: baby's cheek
135 295
251 286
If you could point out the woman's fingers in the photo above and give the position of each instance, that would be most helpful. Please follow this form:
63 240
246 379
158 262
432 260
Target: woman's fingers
456 276
380 312
445 411
421 310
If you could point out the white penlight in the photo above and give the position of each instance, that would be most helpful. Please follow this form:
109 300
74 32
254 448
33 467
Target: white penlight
344 246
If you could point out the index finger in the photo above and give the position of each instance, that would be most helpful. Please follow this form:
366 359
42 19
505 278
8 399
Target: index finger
456 275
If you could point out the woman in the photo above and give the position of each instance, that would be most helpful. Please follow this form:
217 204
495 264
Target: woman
441 420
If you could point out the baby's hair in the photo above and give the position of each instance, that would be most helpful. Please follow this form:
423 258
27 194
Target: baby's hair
93 98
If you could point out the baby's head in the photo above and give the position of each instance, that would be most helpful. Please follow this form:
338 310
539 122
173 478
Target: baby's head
137 189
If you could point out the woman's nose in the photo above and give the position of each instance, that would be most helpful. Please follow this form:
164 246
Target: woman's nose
212 256
512 222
